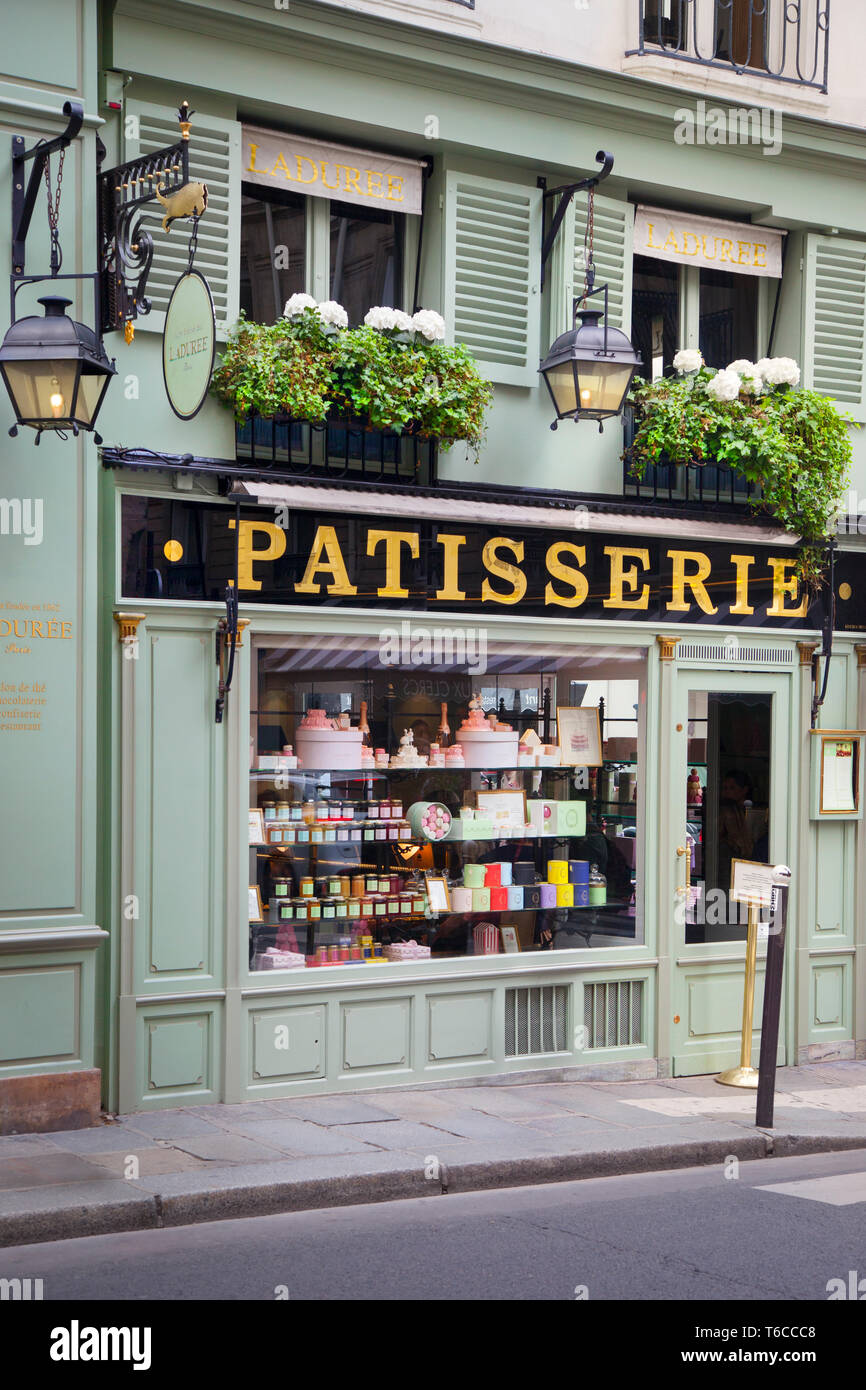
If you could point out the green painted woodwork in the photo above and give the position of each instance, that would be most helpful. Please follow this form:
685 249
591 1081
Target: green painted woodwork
39 1014
460 1027
289 1042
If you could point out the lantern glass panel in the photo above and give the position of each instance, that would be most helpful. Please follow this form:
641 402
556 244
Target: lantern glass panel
563 388
42 390
603 384
91 389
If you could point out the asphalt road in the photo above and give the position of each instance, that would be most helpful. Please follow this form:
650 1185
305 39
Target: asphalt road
693 1234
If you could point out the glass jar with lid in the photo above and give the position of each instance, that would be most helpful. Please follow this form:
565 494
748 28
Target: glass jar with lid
597 887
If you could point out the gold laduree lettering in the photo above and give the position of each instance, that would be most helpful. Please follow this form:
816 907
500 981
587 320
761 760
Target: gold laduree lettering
742 564
252 167
575 577
302 159
325 543
622 578
247 554
394 540
450 591
280 163
501 569
785 584
695 581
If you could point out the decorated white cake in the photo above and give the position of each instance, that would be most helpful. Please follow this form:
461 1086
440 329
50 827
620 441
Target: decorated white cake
322 745
486 742
407 754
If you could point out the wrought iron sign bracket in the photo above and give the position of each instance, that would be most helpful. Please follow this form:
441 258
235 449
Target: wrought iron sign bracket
227 637
566 192
24 198
125 245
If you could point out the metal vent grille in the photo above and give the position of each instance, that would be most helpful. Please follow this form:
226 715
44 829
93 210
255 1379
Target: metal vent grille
733 652
536 1020
613 1013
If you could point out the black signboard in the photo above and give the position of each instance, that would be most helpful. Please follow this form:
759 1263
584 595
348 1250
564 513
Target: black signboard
180 549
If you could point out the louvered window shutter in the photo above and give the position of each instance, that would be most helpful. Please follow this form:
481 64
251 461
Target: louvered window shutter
613 240
492 274
834 359
214 159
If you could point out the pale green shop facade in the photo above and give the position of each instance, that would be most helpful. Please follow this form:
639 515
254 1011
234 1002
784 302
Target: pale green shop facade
128 792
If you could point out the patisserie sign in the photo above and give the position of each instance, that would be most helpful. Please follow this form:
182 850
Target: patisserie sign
352 561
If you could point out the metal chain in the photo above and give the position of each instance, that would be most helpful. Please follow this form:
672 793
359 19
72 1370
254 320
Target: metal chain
588 234
54 211
193 243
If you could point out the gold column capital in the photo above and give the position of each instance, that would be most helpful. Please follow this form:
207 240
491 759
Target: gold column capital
667 647
242 623
860 649
128 624
807 650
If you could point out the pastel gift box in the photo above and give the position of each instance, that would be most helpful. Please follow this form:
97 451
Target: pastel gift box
474 875
457 830
523 872
578 871
565 894
515 898
480 899
461 899
557 871
567 817
498 899
532 896
481 829
492 875
505 874
548 894
581 895
540 815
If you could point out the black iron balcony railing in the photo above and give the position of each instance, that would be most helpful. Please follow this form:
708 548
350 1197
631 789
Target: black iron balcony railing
339 451
769 38
691 485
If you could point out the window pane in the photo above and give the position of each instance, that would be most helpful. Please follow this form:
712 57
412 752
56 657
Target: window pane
366 259
729 317
273 254
655 313
347 846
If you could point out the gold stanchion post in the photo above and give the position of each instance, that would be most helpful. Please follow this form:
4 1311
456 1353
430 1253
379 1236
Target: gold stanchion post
745 1075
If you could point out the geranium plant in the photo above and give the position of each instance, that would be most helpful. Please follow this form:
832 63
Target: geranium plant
756 418
394 372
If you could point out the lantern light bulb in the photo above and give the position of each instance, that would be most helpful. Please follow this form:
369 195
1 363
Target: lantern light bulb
55 400
585 396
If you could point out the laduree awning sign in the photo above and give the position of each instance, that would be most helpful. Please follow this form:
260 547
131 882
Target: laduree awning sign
687 239
322 170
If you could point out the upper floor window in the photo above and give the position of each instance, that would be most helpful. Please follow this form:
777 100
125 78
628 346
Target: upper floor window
366 258
273 251
786 41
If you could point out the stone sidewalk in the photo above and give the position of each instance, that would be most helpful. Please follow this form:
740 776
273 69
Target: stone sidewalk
210 1163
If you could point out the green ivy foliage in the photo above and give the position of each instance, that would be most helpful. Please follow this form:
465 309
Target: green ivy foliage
298 368
794 443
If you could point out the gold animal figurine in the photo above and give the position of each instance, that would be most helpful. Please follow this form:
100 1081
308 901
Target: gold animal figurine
189 201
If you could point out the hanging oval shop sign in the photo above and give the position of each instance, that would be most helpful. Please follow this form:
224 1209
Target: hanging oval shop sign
188 344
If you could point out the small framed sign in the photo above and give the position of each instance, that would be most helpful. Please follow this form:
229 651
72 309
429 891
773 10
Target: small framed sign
836 774
508 806
257 827
510 940
751 882
256 909
188 345
438 895
578 733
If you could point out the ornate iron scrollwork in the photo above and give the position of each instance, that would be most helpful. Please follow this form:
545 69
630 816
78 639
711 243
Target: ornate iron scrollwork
126 246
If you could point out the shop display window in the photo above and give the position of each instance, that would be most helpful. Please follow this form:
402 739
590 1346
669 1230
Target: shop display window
411 813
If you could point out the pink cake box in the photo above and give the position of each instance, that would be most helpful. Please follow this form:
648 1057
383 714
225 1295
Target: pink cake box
483 748
326 750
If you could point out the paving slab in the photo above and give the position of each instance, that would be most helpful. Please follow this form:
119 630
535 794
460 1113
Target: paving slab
291 1135
225 1148
396 1134
47 1170
159 1159
170 1124
514 1102
103 1139
333 1110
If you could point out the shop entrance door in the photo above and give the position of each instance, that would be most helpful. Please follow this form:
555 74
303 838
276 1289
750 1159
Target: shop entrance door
730 799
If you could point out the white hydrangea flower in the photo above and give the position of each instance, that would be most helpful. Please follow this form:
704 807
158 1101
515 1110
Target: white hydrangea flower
724 386
751 381
779 371
688 360
332 313
297 304
403 322
742 366
380 318
428 323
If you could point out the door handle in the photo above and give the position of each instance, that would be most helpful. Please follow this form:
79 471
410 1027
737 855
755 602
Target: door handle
686 850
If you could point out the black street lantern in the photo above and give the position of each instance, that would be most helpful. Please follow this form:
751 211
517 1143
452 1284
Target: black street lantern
589 369
55 370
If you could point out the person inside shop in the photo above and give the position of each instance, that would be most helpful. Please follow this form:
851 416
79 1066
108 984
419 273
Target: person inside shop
735 835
